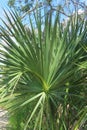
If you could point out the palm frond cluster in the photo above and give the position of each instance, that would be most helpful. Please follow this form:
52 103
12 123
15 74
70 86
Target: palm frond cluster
43 72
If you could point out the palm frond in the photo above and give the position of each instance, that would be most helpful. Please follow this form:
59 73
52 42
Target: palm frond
43 67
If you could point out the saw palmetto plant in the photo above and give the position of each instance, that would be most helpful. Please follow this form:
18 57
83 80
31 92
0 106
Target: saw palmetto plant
43 72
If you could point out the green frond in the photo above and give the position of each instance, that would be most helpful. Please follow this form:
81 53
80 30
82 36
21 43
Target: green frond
42 69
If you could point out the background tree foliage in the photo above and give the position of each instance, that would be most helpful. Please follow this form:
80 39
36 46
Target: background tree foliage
65 7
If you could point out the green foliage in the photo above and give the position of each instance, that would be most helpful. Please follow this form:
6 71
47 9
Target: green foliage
11 3
42 72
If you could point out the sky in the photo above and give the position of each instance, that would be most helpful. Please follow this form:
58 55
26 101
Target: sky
3 5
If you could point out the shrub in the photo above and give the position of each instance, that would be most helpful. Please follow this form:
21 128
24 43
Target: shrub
42 72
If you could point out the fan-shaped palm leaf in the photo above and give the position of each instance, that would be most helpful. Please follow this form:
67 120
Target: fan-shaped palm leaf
40 68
